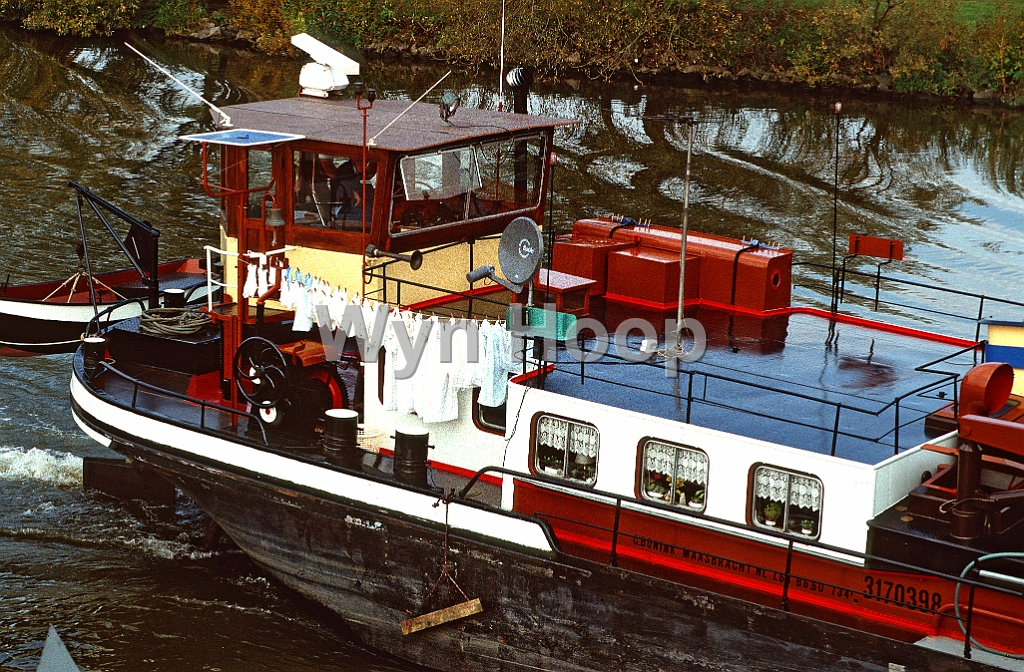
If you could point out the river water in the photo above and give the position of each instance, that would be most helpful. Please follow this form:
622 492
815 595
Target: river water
133 588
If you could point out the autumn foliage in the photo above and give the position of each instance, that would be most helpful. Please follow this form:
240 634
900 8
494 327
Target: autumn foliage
899 45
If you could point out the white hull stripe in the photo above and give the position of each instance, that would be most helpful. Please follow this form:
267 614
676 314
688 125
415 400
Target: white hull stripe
64 312
209 449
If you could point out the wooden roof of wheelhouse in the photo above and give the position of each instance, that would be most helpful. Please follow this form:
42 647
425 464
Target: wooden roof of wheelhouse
338 121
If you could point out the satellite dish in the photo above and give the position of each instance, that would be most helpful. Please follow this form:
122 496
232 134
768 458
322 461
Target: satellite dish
519 254
520 250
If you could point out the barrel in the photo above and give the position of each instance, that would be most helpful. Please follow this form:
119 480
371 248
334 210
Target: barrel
411 446
94 349
341 438
174 298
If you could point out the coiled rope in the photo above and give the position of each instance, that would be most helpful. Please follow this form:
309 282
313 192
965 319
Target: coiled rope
172 321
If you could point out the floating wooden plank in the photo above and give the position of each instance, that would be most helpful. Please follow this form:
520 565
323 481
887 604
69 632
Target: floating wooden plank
441 616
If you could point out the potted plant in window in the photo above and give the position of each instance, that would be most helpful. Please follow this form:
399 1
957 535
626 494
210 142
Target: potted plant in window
581 472
551 464
697 500
680 491
807 526
772 511
656 487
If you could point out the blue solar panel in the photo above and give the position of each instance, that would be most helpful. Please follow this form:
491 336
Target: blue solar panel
242 137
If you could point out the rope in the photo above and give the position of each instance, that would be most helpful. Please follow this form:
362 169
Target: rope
172 321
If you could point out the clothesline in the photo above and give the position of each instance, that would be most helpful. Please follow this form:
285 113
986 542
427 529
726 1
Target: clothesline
452 354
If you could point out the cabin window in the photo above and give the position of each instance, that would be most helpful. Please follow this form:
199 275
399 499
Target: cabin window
329 191
259 178
467 183
786 501
673 474
566 449
488 418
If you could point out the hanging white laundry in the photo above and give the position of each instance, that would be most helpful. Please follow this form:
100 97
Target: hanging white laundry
336 306
497 362
286 286
465 352
303 306
391 358
369 308
262 278
249 288
318 297
436 398
477 370
405 388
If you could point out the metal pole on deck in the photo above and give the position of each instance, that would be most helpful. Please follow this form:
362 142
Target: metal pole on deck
837 110
690 122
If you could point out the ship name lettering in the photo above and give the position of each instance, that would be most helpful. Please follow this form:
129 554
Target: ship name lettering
810 585
654 545
716 561
901 595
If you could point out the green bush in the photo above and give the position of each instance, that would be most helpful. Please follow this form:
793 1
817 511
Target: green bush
76 17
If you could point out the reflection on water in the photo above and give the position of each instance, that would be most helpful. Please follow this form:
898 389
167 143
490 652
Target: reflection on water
134 592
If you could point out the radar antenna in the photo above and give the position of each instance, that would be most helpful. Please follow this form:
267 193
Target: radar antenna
329 73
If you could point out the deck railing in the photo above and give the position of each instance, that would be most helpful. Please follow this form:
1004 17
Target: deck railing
384 294
202 404
792 545
688 396
878 279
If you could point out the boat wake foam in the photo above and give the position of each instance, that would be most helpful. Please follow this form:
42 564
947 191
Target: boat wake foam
61 469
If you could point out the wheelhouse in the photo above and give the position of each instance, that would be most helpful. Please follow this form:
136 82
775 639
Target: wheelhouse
393 175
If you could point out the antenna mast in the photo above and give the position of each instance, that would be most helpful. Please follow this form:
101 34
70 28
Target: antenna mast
225 120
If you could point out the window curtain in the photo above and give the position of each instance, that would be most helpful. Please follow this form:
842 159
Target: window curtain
552 432
771 484
693 466
563 434
583 440
690 465
660 458
805 493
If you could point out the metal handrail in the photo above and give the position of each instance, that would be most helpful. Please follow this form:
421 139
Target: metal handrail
371 272
944 378
203 405
107 312
877 277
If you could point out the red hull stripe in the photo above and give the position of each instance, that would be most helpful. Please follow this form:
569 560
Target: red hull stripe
451 469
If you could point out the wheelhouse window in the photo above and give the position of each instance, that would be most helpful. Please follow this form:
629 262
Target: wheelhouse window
467 183
566 449
786 501
260 179
674 474
329 191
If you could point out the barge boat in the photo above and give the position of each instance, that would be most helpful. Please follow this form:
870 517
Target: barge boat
472 482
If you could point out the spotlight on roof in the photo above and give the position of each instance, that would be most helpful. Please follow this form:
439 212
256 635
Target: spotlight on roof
329 73
449 105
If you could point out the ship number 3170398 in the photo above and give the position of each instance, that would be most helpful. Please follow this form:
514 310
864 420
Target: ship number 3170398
902 595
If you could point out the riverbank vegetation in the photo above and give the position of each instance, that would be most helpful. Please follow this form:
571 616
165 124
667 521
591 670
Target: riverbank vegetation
947 47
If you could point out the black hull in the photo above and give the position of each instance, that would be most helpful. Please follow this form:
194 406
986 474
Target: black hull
32 325
376 570
26 336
